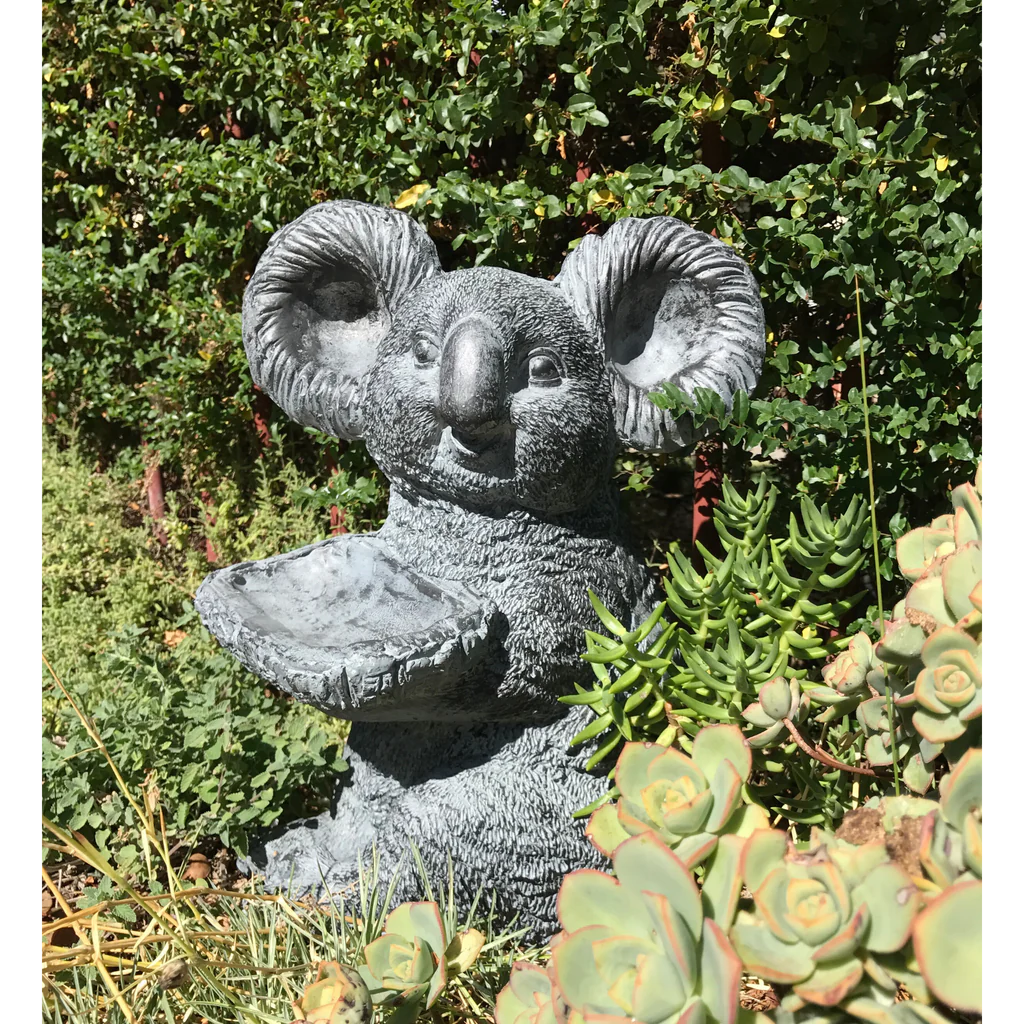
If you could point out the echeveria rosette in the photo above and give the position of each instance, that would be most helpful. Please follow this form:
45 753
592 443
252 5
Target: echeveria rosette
947 945
947 933
530 997
777 700
855 672
874 1008
339 995
944 561
638 948
874 720
687 802
951 837
813 921
920 552
947 690
942 597
407 963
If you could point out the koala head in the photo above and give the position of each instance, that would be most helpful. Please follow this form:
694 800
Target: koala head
485 387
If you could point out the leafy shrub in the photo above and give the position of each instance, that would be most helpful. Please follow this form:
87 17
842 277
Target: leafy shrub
119 629
824 142
100 570
226 757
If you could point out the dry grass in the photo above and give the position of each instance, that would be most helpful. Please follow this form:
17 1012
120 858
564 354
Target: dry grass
218 955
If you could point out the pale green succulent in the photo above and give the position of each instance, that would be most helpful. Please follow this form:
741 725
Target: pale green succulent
687 802
877 724
874 1008
933 648
777 701
951 836
407 963
530 997
947 945
947 690
856 671
639 948
817 911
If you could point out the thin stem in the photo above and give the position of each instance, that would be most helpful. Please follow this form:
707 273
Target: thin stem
874 524
820 755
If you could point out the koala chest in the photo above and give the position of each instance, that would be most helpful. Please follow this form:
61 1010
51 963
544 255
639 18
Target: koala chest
538 574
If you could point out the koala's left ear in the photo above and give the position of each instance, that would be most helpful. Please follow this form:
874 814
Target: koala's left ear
321 299
666 302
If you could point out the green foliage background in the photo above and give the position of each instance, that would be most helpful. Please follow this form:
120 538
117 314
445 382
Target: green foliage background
823 140
172 707
833 145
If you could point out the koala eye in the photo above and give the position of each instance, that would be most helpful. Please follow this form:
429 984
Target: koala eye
545 369
424 351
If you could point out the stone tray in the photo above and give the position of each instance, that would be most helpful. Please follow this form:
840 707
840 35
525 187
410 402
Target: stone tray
343 625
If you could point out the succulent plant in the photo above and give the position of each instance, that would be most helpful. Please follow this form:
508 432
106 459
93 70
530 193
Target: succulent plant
857 670
947 690
951 835
817 910
770 606
407 964
930 651
877 724
873 1009
687 802
947 945
639 948
777 701
918 551
530 997
337 996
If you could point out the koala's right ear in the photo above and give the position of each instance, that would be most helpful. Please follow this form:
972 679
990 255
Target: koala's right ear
665 302
321 299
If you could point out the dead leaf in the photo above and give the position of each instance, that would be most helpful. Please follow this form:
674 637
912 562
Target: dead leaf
464 949
151 792
198 867
174 975
64 936
339 994
173 637
410 196
47 902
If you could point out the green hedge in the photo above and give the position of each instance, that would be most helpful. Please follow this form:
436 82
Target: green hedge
825 141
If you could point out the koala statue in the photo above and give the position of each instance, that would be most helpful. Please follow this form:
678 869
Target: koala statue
495 404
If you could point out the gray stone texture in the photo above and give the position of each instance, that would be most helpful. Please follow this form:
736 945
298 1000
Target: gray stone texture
495 404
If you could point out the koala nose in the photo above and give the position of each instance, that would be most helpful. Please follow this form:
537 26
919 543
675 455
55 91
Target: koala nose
473 377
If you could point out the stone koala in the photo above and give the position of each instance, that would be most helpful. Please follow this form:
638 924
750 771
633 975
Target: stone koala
495 404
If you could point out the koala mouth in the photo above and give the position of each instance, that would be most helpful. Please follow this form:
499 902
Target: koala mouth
469 449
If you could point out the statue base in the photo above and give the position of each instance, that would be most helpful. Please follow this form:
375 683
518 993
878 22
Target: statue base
498 798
